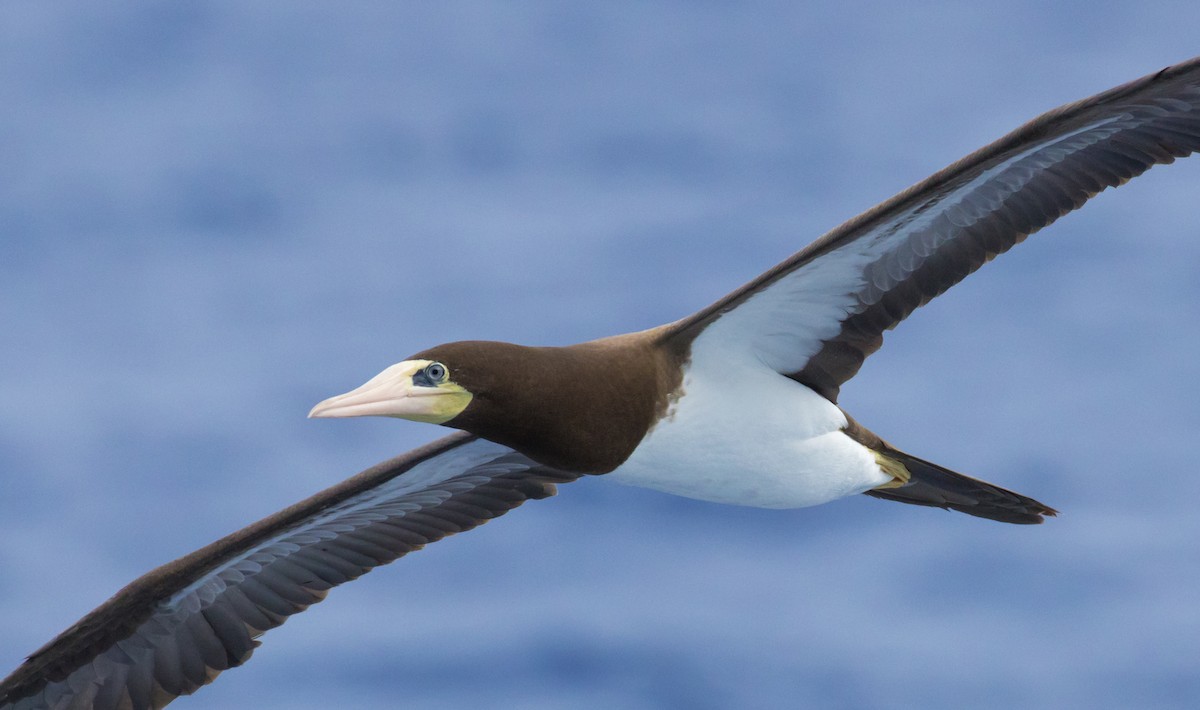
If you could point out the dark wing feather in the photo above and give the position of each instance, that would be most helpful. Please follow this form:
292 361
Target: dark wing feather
177 627
818 315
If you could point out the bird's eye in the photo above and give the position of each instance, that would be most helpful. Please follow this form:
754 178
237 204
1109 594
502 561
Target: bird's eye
431 375
435 371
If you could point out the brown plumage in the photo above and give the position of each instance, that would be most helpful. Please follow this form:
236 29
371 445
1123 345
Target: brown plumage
581 408
936 486
1146 122
289 561
542 416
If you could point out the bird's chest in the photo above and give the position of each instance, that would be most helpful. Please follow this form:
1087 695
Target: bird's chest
758 439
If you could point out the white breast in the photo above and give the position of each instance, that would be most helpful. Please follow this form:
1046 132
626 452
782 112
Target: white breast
743 434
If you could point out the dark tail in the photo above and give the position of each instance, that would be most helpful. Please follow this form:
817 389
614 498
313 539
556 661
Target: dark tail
933 485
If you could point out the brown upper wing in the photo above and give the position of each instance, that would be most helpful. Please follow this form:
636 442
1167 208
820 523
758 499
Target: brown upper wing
177 627
818 315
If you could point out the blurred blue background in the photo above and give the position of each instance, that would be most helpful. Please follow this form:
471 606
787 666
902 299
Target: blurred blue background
214 215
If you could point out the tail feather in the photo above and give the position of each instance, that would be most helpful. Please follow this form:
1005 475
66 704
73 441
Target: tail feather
932 485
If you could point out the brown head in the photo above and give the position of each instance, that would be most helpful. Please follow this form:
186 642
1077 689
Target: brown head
581 408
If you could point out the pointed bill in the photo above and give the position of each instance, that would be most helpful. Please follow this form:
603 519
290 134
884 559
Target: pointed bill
394 393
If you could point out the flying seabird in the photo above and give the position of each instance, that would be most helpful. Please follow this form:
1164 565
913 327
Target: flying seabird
736 403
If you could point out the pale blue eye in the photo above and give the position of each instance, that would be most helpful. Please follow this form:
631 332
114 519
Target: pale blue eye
431 375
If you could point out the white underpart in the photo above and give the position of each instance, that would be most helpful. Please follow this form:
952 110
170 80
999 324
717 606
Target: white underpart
744 434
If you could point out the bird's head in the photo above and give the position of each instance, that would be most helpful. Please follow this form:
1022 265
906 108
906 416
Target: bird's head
499 382
582 407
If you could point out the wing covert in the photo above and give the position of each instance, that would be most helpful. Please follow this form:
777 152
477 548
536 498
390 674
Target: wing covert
818 315
176 628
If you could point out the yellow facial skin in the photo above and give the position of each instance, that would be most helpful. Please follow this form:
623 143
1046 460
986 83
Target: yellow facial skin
420 390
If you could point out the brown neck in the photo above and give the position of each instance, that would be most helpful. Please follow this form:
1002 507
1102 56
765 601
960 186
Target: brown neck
580 408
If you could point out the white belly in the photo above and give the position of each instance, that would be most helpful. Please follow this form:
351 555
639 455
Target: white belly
751 437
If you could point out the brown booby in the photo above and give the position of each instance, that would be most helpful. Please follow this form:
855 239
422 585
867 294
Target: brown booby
736 403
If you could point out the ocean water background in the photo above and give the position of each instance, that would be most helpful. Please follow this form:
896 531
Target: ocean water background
213 215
